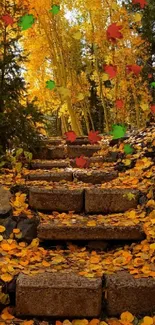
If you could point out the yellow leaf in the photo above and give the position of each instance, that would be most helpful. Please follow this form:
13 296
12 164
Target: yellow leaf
2 228
6 277
67 322
147 320
114 6
105 77
80 96
152 246
77 35
64 92
127 317
127 162
80 322
144 106
91 223
137 17
1 237
35 242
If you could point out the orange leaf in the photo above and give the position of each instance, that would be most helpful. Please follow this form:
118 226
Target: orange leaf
6 277
94 321
6 314
16 231
2 228
127 317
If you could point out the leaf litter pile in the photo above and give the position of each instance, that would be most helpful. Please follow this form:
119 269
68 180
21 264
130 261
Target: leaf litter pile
136 170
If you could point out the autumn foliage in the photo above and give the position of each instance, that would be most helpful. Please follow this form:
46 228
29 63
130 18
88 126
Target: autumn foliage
66 52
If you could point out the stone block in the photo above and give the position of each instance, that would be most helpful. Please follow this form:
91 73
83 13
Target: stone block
78 150
58 295
49 164
95 177
125 293
62 199
111 200
5 206
51 176
51 231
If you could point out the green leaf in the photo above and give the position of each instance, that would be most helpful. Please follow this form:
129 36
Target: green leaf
28 155
128 149
118 131
50 84
19 152
55 9
4 298
152 84
18 167
2 163
26 21
130 196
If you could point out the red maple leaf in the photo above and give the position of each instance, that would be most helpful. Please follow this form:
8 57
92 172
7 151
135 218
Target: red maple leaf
81 162
111 70
136 69
153 108
113 32
93 137
71 136
142 3
8 20
150 75
119 103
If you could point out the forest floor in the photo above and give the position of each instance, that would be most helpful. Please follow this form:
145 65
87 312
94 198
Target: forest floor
135 172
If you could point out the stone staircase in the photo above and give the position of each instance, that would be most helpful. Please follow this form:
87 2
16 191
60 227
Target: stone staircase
95 277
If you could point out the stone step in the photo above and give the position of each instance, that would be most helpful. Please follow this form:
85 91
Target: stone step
78 141
95 176
78 150
71 295
125 293
50 164
51 152
54 176
79 227
80 198
111 200
86 176
58 295
61 199
62 151
53 141
69 162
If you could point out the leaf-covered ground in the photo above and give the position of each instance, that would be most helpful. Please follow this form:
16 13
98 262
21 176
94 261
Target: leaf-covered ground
136 170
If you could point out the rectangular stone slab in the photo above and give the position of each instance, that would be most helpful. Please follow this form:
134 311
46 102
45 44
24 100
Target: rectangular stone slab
51 231
51 176
49 164
78 141
58 295
95 177
125 293
56 152
53 141
78 150
56 199
111 200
